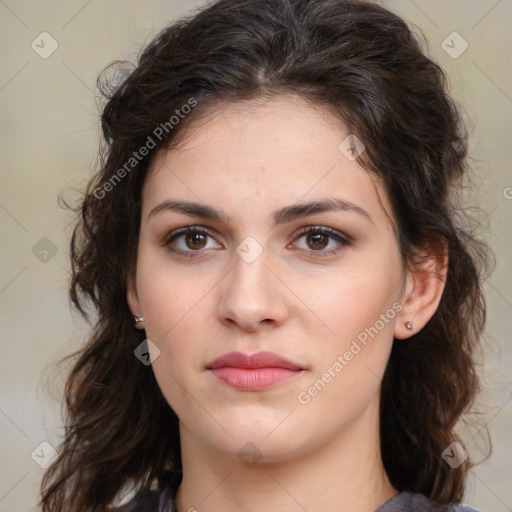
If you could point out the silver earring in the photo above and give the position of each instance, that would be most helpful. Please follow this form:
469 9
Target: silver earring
138 319
408 326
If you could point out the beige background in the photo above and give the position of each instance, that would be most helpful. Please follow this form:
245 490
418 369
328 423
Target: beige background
48 144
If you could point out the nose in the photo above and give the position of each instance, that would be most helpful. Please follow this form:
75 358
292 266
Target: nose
252 296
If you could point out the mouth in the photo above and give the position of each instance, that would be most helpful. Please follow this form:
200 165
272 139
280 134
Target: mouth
253 372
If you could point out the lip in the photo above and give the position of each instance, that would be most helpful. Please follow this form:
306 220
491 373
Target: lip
253 372
251 361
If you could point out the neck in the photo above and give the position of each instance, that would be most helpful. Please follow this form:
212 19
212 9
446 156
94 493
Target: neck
344 472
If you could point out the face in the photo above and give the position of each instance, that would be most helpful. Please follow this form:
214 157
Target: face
258 234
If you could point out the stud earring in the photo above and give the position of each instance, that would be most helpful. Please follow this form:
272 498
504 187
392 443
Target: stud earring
408 326
138 320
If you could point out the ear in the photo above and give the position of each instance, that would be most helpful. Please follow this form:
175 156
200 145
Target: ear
423 290
132 298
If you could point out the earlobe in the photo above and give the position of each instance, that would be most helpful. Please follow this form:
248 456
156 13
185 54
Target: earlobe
133 303
424 290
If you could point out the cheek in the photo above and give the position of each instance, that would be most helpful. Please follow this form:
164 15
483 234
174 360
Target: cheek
176 324
352 300
175 309
170 295
349 365
359 304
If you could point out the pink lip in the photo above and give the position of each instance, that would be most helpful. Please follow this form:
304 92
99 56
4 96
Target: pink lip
253 372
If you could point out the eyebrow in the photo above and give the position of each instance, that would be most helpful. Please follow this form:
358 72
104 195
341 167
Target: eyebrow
286 214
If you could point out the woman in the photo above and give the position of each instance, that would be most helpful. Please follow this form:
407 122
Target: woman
288 306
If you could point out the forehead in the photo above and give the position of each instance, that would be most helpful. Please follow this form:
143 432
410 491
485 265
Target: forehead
283 149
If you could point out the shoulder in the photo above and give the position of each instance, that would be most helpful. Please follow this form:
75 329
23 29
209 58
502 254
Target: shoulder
153 501
415 502
421 503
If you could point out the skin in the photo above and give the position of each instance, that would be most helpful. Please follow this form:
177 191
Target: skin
307 302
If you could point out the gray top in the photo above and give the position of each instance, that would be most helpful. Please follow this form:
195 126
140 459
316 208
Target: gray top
402 502
409 502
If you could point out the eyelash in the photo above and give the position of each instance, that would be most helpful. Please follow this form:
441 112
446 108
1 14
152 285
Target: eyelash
343 241
184 231
335 235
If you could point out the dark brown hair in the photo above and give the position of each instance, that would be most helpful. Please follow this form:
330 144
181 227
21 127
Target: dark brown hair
366 66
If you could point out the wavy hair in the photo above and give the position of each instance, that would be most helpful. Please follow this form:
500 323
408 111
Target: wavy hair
367 67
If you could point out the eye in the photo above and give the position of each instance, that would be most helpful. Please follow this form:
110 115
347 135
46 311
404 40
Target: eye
190 239
321 240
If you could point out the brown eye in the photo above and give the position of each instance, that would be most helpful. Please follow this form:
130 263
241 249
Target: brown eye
320 241
196 241
191 240
317 241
